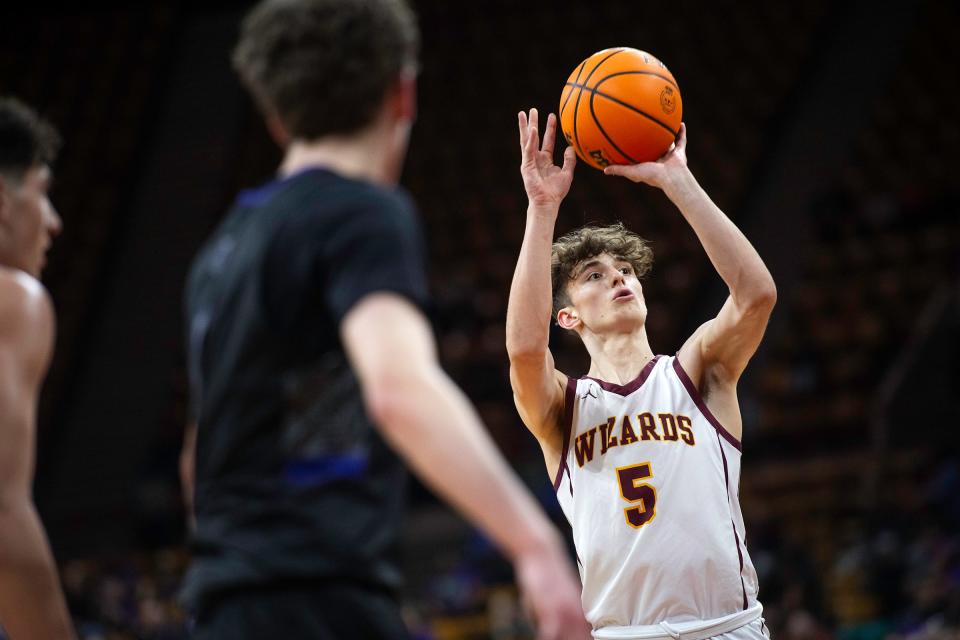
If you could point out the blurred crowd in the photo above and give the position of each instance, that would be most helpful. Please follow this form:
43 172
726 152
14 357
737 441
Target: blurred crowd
881 569
838 557
896 576
896 573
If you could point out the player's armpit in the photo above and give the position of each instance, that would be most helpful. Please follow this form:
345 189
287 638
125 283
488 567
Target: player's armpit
187 464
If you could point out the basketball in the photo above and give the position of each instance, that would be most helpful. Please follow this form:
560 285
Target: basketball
620 106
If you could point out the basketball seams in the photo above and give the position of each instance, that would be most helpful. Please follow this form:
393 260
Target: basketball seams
596 121
577 79
638 111
638 73
595 81
600 64
576 105
624 104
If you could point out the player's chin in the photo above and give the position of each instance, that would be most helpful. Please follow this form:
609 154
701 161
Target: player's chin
638 318
633 309
627 320
37 266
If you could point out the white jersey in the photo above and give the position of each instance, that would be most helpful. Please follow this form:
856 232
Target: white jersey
649 480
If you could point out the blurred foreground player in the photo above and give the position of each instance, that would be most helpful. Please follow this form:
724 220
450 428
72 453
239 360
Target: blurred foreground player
645 450
311 361
32 606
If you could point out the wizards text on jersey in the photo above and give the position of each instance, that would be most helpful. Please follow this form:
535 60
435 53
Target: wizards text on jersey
620 432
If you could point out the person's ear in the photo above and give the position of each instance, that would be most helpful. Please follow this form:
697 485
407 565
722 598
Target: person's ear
5 203
568 318
277 130
402 98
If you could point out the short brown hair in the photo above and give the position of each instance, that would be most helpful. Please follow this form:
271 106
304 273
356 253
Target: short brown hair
324 66
26 139
587 242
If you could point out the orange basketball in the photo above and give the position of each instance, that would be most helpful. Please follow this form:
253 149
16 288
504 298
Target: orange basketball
620 106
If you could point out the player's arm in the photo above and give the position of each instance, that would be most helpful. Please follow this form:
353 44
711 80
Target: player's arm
369 268
721 348
430 423
187 464
31 603
537 386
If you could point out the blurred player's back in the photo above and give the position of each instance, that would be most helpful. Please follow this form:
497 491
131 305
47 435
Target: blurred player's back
293 482
309 350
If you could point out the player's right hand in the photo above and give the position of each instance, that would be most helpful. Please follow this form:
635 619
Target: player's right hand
546 183
552 594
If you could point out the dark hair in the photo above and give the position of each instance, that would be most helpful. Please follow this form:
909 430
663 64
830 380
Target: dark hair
26 139
587 242
324 66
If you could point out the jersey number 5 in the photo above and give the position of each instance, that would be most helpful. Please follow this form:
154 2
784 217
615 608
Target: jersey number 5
642 496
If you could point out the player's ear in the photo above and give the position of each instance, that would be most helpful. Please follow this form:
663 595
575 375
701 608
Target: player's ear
402 98
278 131
4 199
568 318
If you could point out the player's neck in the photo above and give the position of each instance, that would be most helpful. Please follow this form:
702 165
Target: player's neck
619 357
362 157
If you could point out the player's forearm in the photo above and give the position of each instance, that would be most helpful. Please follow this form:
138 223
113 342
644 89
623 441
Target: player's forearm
732 254
31 603
430 423
530 304
187 463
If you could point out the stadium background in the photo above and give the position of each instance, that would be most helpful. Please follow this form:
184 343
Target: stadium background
827 130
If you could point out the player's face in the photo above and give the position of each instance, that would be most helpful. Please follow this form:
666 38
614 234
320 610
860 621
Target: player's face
30 220
606 295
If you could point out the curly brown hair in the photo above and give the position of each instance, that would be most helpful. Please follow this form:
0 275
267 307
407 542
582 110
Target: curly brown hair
323 67
574 247
26 139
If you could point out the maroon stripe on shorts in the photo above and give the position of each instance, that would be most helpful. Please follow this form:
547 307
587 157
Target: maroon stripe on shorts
570 395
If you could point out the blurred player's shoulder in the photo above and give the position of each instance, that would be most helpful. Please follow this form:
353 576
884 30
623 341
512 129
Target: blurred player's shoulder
322 196
22 297
26 319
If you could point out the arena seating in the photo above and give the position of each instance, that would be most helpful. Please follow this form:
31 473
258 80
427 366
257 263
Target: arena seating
887 240
886 236
93 75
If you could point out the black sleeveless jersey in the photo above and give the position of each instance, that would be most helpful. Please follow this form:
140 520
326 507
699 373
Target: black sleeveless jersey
293 482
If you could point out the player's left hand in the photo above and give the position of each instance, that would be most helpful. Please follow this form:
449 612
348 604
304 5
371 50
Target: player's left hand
546 183
657 174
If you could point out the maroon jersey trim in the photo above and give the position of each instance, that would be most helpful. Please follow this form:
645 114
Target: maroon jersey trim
736 536
698 400
630 387
570 396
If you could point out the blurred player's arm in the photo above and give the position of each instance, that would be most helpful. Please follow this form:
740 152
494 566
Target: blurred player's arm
188 461
537 386
32 605
431 424
721 348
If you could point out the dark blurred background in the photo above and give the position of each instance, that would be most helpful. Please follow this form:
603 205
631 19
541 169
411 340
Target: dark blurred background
827 131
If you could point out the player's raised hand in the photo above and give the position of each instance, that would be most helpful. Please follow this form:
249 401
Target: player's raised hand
552 594
657 174
546 183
